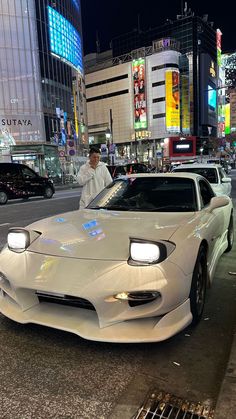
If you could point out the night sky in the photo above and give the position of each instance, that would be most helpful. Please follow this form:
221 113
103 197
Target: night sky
110 18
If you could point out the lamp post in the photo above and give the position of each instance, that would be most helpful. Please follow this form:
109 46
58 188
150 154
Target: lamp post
162 144
108 138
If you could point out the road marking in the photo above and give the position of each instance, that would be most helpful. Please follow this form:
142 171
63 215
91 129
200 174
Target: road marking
5 224
37 199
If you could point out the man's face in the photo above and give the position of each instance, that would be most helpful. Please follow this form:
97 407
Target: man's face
94 159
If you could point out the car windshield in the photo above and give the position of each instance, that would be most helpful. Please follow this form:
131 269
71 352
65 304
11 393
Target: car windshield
148 194
209 173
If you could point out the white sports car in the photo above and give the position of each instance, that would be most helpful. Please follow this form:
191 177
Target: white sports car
131 267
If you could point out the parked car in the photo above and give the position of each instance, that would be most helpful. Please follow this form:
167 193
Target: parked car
20 181
224 163
214 173
128 168
131 267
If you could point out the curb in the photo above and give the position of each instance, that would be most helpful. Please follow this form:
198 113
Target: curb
225 406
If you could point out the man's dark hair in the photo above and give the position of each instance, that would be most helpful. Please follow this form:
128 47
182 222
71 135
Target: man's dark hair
94 150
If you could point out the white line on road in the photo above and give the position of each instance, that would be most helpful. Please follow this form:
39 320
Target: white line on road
5 224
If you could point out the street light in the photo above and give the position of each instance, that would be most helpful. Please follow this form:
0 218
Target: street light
201 151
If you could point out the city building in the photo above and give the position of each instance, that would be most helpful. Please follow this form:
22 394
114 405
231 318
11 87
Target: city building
155 87
42 87
229 66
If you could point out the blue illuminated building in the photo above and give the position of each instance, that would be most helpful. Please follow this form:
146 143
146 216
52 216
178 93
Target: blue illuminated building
42 85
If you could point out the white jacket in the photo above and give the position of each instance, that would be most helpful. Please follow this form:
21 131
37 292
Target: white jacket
93 181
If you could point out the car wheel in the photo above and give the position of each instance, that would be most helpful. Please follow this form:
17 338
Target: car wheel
3 198
48 192
198 287
230 234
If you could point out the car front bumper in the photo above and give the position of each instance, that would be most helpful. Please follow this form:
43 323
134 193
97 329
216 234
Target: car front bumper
25 274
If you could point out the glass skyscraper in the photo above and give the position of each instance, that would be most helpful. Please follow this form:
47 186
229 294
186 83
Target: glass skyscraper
41 72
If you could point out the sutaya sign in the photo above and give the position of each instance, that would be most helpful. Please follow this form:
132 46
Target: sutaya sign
16 122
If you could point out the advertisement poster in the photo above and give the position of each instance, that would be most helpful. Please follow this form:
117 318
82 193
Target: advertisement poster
140 109
172 101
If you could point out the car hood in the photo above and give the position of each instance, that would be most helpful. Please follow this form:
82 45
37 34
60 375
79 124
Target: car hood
91 234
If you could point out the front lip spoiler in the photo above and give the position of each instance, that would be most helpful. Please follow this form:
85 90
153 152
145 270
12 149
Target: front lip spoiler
85 323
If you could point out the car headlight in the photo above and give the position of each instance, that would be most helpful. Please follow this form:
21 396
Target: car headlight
18 239
144 252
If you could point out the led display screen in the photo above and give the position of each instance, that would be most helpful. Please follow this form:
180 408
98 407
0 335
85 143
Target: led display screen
139 85
172 101
227 118
182 147
211 98
65 40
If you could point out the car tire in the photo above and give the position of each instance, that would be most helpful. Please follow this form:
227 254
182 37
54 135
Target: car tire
198 288
230 234
3 198
48 192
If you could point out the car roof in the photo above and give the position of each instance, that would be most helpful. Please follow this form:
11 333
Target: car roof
159 175
198 165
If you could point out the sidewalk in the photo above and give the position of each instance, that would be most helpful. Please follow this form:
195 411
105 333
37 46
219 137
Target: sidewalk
73 185
226 403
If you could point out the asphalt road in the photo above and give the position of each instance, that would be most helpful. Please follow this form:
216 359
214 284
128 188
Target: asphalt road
49 373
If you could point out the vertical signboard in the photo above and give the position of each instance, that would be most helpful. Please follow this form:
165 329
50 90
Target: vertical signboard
227 118
139 86
185 108
172 101
233 111
218 46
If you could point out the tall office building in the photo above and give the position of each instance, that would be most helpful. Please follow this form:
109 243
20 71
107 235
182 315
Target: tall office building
197 39
162 83
41 73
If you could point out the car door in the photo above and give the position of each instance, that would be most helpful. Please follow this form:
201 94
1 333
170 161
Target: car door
11 180
212 221
225 182
32 182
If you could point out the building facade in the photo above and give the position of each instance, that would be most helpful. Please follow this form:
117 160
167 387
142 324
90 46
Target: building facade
179 62
41 74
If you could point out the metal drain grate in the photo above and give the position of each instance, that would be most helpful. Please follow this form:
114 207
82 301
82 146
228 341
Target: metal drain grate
160 405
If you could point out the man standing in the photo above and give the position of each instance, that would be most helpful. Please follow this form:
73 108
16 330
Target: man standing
93 176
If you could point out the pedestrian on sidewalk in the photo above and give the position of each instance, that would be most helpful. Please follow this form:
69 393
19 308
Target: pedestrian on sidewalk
93 176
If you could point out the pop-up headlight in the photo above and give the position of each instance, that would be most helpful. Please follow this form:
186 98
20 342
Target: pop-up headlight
19 239
143 252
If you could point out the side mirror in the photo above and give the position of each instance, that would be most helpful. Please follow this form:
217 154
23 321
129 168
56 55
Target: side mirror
219 201
226 180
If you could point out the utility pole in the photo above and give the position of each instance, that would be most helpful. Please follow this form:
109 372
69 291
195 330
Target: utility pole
111 129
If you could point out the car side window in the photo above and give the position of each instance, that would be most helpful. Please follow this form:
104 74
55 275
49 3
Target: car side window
206 193
222 174
28 173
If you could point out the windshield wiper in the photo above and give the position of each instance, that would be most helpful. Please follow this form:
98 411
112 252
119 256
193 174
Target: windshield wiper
112 207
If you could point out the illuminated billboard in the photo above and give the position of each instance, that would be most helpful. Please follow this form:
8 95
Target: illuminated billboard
182 147
172 101
211 98
65 40
227 118
139 86
185 109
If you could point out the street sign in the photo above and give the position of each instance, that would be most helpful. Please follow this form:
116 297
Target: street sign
112 148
